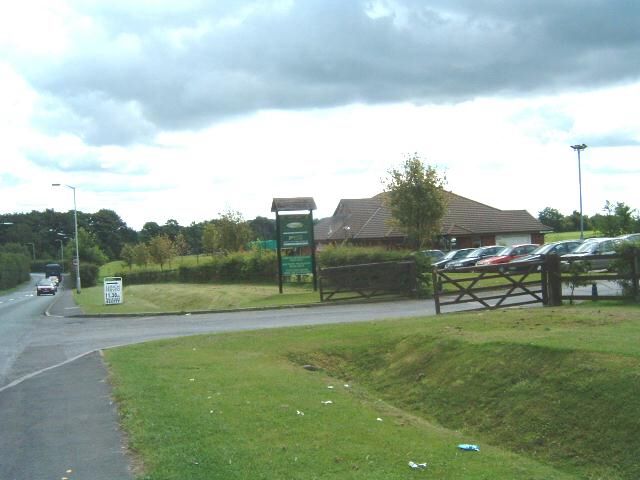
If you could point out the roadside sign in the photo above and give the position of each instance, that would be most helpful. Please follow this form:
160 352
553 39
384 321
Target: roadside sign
74 262
113 294
296 231
297 265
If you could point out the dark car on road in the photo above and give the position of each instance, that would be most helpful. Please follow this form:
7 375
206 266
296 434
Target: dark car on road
473 257
603 247
45 287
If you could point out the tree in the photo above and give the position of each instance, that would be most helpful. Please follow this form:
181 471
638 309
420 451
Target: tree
552 218
232 232
263 228
127 254
617 219
110 232
209 239
415 196
90 252
161 250
141 254
149 231
180 245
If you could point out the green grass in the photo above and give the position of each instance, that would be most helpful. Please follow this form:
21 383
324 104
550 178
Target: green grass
557 236
181 297
546 393
118 266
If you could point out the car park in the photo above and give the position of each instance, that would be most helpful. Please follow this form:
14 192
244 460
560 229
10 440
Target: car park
561 247
509 253
630 237
451 256
605 247
434 255
473 257
45 287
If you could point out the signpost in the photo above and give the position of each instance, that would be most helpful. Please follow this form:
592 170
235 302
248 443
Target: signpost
294 232
113 294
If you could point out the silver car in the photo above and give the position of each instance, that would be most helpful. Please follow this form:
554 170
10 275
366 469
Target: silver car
594 246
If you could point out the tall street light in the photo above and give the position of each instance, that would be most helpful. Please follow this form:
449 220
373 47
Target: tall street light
75 223
61 251
579 148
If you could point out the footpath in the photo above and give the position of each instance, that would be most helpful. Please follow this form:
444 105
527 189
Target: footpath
61 422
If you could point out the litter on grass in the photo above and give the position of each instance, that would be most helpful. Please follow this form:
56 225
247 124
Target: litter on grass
379 419
418 465
299 412
468 447
326 402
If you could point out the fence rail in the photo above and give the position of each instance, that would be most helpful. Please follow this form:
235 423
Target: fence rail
509 285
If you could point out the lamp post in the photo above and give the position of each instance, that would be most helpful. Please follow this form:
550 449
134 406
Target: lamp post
75 226
61 251
579 148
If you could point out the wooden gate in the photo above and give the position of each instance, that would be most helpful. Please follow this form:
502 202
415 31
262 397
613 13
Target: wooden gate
498 286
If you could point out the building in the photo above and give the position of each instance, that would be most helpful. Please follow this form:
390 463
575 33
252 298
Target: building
467 223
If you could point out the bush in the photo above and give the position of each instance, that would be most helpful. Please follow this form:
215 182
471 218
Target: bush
88 275
14 269
629 253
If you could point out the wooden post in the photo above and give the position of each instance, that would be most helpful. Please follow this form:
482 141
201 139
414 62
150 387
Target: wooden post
554 280
436 292
278 248
634 275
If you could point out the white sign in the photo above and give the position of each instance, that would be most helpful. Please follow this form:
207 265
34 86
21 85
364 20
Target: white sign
113 291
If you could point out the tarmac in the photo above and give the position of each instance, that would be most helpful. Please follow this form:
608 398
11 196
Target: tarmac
61 422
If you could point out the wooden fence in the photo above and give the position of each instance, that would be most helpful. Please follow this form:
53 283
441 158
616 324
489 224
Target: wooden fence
367 280
509 285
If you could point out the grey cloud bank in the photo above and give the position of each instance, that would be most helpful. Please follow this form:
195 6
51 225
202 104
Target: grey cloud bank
140 69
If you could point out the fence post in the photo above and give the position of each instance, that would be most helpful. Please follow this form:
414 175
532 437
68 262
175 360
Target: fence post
436 289
554 280
634 275
544 284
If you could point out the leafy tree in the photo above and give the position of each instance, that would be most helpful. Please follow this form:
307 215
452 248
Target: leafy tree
209 238
90 252
141 254
232 232
110 232
263 228
149 231
127 254
617 219
415 196
193 236
171 228
180 245
552 218
161 250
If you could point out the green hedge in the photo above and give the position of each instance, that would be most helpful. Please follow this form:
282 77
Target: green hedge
14 269
88 275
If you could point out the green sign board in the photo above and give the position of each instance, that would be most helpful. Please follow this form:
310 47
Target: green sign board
296 265
295 231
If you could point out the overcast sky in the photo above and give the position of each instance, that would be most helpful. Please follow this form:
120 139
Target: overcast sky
185 109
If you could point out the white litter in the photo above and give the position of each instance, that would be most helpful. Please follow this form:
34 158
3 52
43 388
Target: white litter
326 402
417 465
379 419
299 412
330 387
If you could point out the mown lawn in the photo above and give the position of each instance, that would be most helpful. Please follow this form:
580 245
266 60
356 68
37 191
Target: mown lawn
182 297
545 393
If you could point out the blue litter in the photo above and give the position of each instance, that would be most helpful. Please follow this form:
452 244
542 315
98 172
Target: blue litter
468 447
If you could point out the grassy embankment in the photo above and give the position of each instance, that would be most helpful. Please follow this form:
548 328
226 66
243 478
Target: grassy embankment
546 393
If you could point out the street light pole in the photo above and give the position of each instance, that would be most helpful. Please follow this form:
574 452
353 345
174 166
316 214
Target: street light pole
75 223
61 251
579 148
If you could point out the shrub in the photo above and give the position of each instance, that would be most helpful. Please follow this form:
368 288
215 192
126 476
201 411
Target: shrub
88 274
14 269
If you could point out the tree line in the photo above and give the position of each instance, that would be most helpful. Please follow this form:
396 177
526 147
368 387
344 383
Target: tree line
102 235
616 219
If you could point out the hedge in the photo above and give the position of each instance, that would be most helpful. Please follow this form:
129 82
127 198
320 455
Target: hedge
14 269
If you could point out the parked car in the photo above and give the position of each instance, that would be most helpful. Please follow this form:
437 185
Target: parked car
45 287
630 237
473 257
452 255
596 246
509 253
434 255
561 247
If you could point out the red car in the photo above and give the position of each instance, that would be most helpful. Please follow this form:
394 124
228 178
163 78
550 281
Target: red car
509 253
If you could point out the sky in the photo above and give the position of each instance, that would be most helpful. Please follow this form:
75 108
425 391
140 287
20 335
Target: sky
188 109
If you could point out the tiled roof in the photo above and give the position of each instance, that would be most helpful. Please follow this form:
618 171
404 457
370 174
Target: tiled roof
292 204
365 218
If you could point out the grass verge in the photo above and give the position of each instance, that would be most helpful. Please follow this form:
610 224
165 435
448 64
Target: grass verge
180 297
547 393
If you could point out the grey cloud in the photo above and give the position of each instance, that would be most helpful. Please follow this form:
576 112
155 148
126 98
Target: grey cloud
89 161
617 139
186 64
